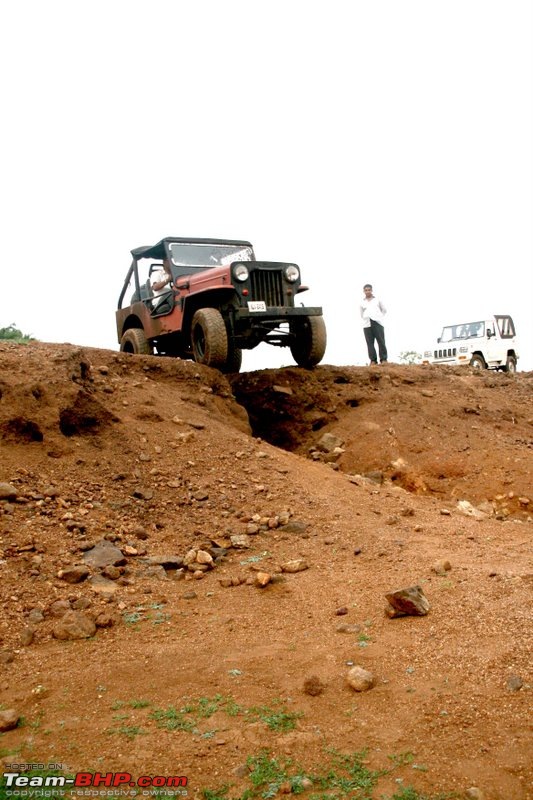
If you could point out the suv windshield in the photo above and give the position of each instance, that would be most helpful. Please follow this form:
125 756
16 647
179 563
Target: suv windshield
467 330
208 255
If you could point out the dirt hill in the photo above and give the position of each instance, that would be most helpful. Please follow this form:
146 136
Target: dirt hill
191 565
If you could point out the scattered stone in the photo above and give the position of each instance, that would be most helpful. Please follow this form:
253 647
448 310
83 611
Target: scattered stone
35 616
9 719
240 541
360 679
102 586
296 565
104 620
295 526
58 608
514 683
328 442
281 389
75 574
427 393
262 579
8 492
313 686
113 573
473 793
168 561
74 625
6 657
140 533
104 554
410 601
26 637
341 611
345 628
205 558
524 501
375 475
466 508
81 603
445 513
189 596
441 567
200 495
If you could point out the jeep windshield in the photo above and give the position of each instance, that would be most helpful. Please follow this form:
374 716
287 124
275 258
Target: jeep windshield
467 330
202 256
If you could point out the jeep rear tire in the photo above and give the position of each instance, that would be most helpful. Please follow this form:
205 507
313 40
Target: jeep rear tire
510 364
234 360
478 362
310 343
134 341
209 338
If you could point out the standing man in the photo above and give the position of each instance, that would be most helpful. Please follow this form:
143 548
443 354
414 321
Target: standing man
373 313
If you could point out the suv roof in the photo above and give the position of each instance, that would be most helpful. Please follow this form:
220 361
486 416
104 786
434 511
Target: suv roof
158 250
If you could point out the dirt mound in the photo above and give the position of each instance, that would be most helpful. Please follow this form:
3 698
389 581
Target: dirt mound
181 597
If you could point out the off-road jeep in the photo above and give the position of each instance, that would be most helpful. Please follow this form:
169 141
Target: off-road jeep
220 300
484 344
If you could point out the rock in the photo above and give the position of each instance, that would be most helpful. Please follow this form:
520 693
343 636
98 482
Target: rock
104 620
102 585
113 573
203 557
341 611
80 603
296 565
360 679
140 533
8 492
281 389
6 657
26 637
444 512
410 601
200 495
375 475
328 442
168 561
514 683
466 508
35 616
75 574
295 526
58 608
9 719
313 686
345 628
262 579
74 625
441 567
104 554
240 541
473 793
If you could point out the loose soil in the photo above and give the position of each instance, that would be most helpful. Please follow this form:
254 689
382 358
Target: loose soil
189 676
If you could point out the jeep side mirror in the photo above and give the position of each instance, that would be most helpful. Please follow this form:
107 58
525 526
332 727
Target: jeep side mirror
489 334
438 340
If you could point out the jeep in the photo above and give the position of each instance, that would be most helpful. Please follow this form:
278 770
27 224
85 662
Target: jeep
483 344
219 300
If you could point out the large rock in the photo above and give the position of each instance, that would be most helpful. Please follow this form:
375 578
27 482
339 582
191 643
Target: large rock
9 719
104 554
74 625
75 574
410 601
328 442
7 492
360 679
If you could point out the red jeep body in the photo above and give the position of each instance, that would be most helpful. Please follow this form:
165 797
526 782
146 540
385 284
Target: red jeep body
219 300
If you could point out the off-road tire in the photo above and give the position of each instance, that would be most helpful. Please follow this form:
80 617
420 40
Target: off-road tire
134 341
310 343
510 364
209 338
478 362
233 361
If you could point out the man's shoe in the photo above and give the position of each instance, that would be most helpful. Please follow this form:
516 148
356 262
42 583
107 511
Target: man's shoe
384 362
373 364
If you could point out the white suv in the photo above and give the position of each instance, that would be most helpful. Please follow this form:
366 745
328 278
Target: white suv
483 344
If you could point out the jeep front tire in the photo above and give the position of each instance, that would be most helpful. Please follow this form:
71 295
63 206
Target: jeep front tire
134 341
209 338
309 342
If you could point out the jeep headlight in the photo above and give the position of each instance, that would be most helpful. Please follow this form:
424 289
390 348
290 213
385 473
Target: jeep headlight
292 273
428 353
240 272
463 349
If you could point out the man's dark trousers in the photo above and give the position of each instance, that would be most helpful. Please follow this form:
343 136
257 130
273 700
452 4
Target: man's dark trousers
375 333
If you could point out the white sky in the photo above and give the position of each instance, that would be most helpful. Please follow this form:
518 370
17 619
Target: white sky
386 141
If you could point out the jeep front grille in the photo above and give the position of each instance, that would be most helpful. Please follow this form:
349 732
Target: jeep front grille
451 351
267 285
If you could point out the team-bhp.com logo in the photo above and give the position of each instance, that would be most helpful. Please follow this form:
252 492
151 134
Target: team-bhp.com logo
93 784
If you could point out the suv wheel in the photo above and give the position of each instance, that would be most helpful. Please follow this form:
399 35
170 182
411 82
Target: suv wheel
510 364
134 341
310 343
209 338
478 362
